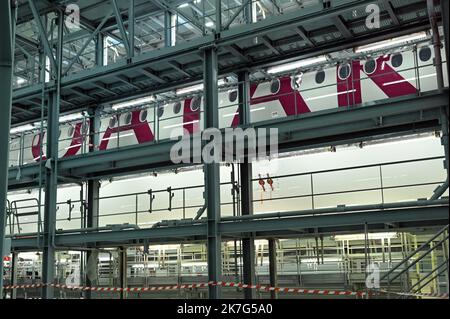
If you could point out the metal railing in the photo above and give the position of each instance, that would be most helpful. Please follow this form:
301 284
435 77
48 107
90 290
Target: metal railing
147 208
437 244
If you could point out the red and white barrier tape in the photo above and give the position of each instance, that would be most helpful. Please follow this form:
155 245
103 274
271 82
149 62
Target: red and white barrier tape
199 285
324 292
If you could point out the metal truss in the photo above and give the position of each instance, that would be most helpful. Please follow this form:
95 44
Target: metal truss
204 54
304 224
287 36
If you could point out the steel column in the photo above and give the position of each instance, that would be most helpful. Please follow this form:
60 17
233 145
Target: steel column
6 71
273 267
131 23
436 43
100 50
218 15
51 171
51 185
168 28
445 7
93 194
123 271
212 173
246 175
15 258
444 109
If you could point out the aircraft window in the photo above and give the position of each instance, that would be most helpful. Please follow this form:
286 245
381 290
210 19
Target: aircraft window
70 131
397 60
143 116
320 77
177 108
232 96
370 66
195 103
160 111
344 71
275 86
425 54
112 121
128 118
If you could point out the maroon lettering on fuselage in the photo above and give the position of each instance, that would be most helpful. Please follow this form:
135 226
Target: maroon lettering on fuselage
290 99
141 130
348 93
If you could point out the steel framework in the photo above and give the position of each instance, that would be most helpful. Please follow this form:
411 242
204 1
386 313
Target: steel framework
223 49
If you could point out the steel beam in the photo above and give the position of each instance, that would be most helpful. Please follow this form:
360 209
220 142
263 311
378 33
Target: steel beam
163 5
121 26
212 174
333 222
6 72
246 7
390 10
43 35
340 25
86 43
307 225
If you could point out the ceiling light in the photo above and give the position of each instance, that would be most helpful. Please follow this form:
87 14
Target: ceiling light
197 87
20 80
193 88
391 42
140 101
209 24
296 65
71 117
20 129
388 235
183 5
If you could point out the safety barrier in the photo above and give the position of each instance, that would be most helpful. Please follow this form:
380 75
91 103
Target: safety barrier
262 288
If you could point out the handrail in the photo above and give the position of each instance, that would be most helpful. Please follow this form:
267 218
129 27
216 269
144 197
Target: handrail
429 274
386 275
431 279
419 259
